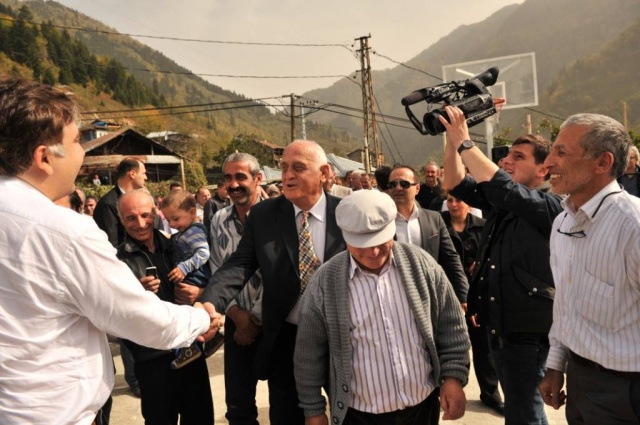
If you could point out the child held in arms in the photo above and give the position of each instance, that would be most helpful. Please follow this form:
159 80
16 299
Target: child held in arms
191 255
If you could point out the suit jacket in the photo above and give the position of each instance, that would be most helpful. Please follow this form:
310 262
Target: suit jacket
437 242
270 243
106 216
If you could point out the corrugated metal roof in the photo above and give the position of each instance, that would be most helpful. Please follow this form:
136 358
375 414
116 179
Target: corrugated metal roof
342 165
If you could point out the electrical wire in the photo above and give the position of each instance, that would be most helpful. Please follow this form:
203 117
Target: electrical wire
406 66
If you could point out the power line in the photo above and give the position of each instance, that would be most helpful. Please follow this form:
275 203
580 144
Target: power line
194 40
407 66
389 131
159 108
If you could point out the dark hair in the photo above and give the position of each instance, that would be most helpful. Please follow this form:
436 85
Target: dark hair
127 165
75 201
31 115
416 176
541 146
173 185
382 176
179 198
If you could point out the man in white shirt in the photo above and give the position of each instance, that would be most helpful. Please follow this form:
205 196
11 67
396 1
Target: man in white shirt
595 259
62 285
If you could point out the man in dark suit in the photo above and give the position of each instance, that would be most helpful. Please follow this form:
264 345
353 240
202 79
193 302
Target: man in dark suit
425 228
270 242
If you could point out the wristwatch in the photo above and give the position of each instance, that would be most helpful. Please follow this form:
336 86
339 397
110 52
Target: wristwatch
467 144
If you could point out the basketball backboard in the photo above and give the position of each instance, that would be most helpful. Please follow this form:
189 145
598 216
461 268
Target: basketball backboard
517 81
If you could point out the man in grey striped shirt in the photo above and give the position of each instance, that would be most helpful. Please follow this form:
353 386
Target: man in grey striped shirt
595 259
382 326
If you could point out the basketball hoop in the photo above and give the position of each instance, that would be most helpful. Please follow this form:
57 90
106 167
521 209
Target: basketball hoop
498 103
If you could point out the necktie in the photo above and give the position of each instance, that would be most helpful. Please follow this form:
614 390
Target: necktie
308 262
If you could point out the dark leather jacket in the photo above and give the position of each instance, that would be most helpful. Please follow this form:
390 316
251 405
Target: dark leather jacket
469 248
136 256
512 288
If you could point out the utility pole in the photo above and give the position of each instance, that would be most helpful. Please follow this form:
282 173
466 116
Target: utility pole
292 98
368 108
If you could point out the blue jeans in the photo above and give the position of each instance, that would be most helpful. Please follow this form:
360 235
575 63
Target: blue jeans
520 362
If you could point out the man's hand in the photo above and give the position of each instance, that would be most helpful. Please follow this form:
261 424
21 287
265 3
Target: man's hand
452 399
456 126
474 321
176 275
150 283
187 294
247 328
316 420
551 388
214 324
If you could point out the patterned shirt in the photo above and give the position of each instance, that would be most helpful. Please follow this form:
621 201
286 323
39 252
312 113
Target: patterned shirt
225 234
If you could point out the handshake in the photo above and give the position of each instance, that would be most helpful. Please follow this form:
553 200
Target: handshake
214 324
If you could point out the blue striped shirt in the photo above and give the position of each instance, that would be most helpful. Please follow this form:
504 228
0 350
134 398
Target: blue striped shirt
391 369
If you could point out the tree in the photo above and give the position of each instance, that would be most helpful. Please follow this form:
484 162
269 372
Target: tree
246 144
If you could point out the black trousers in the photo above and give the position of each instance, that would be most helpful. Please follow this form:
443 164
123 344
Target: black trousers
168 393
239 380
596 397
425 413
485 369
283 396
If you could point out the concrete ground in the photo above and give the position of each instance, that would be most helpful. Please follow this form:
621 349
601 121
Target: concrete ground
126 407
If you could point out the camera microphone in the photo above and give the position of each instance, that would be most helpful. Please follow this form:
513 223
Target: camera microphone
415 97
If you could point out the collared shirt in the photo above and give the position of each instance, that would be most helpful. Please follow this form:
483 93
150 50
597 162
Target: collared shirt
408 228
391 369
199 212
61 289
318 229
596 312
225 234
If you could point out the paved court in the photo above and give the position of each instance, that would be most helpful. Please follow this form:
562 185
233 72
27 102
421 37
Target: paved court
126 408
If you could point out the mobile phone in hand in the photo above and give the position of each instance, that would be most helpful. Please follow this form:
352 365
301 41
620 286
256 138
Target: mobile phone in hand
151 271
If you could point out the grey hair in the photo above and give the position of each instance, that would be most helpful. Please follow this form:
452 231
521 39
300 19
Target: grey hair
254 165
604 134
632 149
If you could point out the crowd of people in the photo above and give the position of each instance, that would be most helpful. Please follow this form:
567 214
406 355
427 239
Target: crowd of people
375 290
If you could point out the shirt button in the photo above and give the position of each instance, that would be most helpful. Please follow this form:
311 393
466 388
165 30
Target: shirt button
335 420
340 405
492 299
493 266
345 388
493 331
535 289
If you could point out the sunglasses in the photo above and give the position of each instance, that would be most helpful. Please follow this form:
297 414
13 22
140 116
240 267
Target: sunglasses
403 183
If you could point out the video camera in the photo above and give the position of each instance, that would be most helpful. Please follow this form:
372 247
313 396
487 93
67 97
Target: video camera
471 96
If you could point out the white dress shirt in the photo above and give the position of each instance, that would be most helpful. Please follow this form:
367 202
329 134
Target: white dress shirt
391 369
318 230
61 289
408 228
596 311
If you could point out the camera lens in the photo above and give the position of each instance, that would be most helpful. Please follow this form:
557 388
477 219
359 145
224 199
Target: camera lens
431 122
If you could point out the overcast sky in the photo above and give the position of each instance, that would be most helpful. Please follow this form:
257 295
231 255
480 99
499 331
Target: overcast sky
399 29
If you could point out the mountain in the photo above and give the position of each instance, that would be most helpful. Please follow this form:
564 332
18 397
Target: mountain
221 116
584 49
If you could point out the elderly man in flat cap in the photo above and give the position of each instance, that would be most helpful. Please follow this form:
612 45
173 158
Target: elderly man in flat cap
381 325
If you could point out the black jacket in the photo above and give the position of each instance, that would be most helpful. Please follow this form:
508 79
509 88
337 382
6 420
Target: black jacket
512 288
468 248
134 255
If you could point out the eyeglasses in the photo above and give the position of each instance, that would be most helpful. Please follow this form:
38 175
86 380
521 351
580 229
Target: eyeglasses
580 233
403 183
577 234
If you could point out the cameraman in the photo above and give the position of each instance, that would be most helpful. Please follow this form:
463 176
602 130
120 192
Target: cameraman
512 288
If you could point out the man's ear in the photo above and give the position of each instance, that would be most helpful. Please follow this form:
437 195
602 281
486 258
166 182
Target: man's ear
325 170
42 159
605 162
